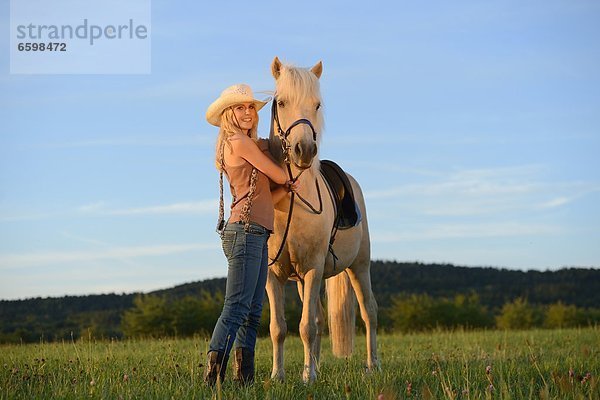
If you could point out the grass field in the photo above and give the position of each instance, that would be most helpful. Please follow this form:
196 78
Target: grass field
541 364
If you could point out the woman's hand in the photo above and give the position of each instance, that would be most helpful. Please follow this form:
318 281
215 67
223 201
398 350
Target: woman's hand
292 186
279 192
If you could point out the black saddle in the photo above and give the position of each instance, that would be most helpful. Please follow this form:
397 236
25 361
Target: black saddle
347 212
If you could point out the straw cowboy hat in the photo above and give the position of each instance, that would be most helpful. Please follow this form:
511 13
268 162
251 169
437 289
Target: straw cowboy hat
236 94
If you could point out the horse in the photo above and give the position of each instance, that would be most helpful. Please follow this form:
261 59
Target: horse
300 247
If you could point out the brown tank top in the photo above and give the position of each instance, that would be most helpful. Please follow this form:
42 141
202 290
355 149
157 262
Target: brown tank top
239 183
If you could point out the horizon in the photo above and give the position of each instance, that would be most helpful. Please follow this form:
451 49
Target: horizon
150 291
472 128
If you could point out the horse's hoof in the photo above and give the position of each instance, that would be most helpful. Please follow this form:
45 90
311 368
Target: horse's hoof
374 367
309 375
278 376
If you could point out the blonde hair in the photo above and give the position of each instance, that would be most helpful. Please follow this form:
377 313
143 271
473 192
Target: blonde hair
229 127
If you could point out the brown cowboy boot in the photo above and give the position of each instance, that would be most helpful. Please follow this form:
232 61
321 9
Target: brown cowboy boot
243 369
215 367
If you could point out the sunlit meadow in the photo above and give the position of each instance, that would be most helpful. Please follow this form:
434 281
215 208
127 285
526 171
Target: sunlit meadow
540 364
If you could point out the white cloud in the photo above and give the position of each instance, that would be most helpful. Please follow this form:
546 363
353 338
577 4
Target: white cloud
482 191
99 205
202 207
578 191
82 239
469 182
557 202
10 261
198 207
335 139
138 141
456 187
462 231
29 217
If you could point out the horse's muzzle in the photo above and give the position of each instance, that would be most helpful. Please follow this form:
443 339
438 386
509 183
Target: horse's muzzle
304 153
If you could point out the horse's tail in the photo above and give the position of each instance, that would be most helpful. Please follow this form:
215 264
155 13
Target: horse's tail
341 310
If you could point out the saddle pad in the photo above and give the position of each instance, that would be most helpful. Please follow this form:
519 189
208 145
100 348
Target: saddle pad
346 207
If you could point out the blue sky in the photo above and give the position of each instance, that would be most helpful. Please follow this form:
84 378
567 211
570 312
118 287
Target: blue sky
473 127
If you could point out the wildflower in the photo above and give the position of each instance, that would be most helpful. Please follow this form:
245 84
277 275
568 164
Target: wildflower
488 370
434 372
571 373
491 388
409 388
586 377
125 377
380 397
347 390
92 382
465 392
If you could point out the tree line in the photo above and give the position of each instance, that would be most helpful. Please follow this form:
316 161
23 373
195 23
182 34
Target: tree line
155 316
411 297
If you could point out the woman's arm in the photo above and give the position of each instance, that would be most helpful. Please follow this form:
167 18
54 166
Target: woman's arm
245 148
280 191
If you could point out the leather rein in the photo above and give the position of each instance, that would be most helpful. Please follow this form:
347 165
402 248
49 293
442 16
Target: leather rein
287 148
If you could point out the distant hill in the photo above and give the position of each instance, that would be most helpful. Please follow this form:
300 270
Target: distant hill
56 318
577 286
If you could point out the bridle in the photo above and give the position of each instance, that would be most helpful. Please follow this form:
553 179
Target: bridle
283 135
287 149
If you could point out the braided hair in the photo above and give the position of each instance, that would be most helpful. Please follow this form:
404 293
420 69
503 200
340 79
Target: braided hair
230 126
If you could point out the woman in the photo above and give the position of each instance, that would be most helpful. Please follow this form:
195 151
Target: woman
240 155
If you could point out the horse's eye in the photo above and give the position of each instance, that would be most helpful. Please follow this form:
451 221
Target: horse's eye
280 103
318 106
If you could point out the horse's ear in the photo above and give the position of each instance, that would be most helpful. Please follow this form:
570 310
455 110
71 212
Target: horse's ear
317 69
276 67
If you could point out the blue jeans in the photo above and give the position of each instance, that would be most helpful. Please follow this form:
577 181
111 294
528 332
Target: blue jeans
247 256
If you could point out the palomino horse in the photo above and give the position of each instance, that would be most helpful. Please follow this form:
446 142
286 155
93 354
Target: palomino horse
304 255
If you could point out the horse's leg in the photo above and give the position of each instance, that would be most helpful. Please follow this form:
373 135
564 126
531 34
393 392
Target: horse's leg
277 326
300 289
320 321
361 282
308 325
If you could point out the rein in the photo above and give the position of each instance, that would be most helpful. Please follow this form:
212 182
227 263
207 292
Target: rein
286 148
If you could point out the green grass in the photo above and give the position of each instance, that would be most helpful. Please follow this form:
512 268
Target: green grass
524 365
